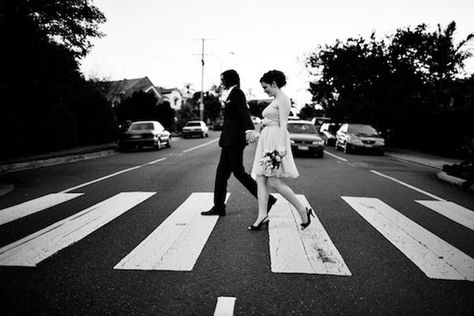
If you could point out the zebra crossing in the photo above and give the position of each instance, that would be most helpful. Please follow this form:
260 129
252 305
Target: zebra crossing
177 242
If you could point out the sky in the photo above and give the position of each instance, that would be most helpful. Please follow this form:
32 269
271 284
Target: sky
162 39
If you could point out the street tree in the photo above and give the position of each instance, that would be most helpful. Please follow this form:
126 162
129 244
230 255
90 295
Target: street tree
403 82
71 23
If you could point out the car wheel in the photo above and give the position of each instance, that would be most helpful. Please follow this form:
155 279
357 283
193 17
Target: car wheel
168 143
158 144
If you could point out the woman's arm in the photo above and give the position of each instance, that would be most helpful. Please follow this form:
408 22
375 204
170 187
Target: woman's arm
284 110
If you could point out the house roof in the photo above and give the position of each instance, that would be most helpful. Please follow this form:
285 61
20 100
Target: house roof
126 87
163 90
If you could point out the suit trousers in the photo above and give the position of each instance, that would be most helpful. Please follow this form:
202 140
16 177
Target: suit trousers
231 161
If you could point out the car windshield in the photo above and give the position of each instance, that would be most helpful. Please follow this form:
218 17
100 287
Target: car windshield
141 126
302 128
362 130
193 124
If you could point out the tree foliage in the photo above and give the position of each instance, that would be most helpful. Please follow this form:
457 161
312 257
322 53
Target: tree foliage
403 83
45 99
71 23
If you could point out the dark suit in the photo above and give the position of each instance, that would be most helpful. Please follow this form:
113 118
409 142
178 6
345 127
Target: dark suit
233 141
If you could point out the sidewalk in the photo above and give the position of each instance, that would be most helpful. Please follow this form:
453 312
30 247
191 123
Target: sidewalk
58 157
432 161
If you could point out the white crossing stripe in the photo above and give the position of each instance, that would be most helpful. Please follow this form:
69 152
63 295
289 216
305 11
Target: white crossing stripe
457 213
15 212
177 243
36 247
295 251
225 306
435 257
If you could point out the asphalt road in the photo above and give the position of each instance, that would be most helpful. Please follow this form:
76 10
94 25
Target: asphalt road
82 278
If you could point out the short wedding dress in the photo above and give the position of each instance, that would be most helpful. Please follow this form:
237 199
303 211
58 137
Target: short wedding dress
269 141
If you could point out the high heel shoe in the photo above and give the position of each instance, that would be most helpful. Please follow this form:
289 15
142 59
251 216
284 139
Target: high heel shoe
309 213
260 225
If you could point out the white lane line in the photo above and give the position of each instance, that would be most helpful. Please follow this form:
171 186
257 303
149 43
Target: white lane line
295 251
111 175
36 205
199 146
408 186
435 257
453 211
335 156
31 250
225 306
177 243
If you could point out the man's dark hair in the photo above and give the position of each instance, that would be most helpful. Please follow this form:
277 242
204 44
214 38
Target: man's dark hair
230 78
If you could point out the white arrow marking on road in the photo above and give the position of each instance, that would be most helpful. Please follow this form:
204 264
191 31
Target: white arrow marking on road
30 207
36 247
295 251
177 243
435 257
225 306
457 213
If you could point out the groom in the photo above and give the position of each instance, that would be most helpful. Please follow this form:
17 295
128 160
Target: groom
238 130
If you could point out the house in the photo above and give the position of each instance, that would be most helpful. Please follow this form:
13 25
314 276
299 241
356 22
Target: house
117 91
174 96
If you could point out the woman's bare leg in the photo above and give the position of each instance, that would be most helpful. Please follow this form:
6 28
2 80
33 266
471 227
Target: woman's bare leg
289 195
262 189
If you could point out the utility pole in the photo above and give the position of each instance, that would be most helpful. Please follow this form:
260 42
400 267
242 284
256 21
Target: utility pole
201 101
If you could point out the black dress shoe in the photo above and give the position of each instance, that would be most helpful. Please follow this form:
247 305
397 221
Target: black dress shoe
214 211
271 201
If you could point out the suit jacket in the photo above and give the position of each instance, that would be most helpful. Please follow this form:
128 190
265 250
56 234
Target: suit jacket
236 120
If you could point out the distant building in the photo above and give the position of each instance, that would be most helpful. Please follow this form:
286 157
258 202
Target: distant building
119 90
174 96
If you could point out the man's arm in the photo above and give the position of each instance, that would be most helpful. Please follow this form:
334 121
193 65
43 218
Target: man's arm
243 110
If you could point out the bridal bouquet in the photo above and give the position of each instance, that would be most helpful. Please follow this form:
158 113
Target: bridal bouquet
270 162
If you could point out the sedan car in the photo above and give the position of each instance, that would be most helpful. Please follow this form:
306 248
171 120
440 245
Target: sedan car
304 137
328 132
192 128
351 137
145 133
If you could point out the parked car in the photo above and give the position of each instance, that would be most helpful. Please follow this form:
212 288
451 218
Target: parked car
192 128
351 137
328 132
304 137
145 133
319 121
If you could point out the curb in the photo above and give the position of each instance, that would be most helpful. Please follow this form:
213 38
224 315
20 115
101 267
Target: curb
12 167
465 184
441 175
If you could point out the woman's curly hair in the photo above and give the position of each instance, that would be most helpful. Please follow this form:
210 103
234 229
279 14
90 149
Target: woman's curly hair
274 75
